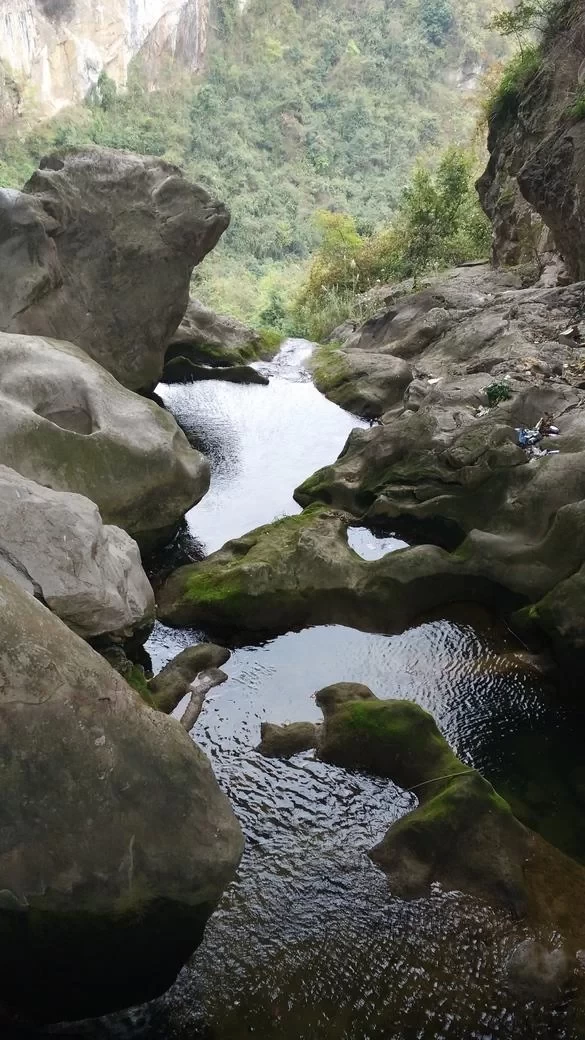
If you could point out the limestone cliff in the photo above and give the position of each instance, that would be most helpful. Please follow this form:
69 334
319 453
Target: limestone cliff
59 47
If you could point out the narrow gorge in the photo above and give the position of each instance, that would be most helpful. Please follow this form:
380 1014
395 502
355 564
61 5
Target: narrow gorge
292 632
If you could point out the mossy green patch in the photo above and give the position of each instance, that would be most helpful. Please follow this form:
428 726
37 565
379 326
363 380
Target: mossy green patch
270 341
329 367
138 681
315 488
212 587
503 103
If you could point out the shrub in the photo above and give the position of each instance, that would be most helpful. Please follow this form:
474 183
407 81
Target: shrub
498 392
439 222
503 103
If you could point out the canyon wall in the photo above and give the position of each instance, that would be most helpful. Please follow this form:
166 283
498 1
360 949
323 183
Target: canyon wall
57 49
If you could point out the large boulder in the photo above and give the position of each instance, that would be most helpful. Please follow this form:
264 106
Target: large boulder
207 338
300 571
115 839
98 249
55 546
367 384
67 424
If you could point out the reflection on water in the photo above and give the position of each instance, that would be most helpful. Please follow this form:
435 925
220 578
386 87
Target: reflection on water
308 944
261 441
370 545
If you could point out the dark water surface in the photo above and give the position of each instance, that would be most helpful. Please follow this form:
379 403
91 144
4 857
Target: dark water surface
308 943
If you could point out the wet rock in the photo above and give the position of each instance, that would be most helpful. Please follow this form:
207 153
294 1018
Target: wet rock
207 338
181 370
168 688
67 424
286 741
536 972
54 545
58 238
301 571
462 834
115 839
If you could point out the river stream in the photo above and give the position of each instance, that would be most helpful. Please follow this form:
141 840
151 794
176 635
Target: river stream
308 943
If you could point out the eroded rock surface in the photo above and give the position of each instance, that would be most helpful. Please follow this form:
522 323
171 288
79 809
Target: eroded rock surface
171 684
181 370
98 249
115 839
67 424
55 546
301 571
446 467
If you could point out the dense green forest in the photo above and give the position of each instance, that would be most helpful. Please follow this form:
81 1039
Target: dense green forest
307 106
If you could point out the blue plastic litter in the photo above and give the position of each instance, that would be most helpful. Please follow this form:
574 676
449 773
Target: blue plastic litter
527 438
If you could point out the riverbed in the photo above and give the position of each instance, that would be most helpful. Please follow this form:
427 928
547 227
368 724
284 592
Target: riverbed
308 943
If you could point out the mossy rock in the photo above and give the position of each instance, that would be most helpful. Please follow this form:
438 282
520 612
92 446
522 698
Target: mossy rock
391 738
462 835
289 740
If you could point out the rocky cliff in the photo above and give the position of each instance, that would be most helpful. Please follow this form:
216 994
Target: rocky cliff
60 47
536 144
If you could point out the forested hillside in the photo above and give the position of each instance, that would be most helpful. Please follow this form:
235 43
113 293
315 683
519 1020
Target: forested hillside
306 105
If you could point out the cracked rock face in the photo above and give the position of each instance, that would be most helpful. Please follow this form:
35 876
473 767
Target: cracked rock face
536 169
54 545
98 249
115 839
67 424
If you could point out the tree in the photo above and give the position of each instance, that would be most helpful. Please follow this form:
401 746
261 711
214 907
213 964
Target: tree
528 17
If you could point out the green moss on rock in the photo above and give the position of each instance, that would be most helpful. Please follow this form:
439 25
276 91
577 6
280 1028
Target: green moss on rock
329 367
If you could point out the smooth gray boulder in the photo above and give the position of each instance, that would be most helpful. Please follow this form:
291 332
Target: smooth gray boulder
55 546
207 338
115 840
367 384
66 423
98 249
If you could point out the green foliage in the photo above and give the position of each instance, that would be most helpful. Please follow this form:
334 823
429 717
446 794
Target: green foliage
498 392
305 105
438 18
503 103
527 17
577 109
105 92
439 222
